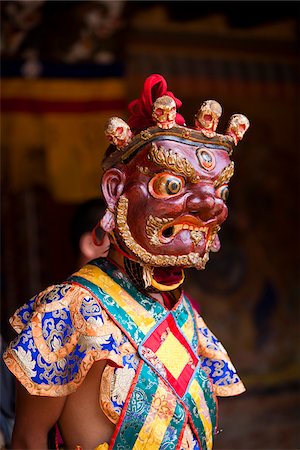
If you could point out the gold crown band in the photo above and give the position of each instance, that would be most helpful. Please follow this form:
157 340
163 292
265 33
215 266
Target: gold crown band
182 134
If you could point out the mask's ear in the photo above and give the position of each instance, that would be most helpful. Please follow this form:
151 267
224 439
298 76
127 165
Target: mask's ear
112 185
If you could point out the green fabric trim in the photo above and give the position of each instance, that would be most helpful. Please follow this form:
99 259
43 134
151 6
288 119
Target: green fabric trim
137 409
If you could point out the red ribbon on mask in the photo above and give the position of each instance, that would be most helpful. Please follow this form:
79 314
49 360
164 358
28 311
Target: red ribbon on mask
140 109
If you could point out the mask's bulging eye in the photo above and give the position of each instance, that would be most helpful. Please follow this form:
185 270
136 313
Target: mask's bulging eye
223 192
165 185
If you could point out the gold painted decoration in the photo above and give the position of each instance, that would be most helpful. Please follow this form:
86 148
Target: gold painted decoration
225 175
172 161
188 260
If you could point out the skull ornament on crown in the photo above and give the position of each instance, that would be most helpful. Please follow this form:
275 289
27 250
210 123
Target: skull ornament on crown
207 118
237 127
166 185
164 112
118 132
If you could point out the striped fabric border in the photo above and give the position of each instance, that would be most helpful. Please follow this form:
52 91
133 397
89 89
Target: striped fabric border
195 397
119 303
136 409
115 300
160 414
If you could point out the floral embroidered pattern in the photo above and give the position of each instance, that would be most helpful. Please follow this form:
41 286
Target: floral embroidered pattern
216 363
64 329
150 356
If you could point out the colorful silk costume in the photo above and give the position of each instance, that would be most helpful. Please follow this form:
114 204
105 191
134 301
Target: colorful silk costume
156 400
165 186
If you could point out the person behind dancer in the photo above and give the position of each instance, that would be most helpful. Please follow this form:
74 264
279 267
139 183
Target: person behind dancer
116 355
88 240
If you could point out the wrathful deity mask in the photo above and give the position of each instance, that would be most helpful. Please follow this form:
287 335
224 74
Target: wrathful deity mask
166 186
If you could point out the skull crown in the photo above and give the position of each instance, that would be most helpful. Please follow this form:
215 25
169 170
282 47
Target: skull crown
163 116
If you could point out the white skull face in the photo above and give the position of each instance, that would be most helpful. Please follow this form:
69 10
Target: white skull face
207 118
118 132
164 112
237 127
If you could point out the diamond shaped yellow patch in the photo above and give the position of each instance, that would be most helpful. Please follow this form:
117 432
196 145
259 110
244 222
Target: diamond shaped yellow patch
173 355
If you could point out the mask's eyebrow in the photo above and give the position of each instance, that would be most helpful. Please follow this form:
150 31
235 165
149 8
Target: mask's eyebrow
172 161
225 175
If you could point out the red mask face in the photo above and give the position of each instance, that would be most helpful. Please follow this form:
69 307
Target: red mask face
173 203
167 185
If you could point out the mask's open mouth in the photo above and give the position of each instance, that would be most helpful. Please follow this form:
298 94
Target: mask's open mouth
168 232
167 278
198 232
156 228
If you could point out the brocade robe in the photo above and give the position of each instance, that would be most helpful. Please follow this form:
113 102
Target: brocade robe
164 367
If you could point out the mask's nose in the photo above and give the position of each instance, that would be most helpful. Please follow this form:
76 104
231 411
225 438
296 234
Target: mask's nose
203 203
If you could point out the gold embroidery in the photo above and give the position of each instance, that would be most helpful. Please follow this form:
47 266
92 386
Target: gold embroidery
16 322
203 348
17 368
42 346
88 332
105 394
26 361
230 389
54 347
221 356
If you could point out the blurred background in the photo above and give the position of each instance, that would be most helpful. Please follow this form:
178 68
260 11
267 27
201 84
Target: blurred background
66 67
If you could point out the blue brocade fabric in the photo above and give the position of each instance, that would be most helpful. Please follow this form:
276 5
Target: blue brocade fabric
64 329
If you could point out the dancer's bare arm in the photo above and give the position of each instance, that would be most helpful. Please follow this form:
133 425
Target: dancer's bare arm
35 416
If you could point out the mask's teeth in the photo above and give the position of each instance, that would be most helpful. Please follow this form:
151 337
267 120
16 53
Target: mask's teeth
215 246
178 228
196 236
196 232
204 230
